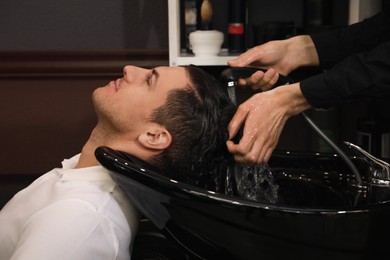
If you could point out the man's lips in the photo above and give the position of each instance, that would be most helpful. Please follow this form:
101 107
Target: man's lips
115 84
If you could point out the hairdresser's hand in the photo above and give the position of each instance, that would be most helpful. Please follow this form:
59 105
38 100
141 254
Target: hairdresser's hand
279 57
264 116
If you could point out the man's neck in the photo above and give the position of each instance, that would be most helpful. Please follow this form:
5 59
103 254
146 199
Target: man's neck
101 137
87 156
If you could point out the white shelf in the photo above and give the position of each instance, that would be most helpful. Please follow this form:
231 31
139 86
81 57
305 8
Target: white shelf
186 59
178 58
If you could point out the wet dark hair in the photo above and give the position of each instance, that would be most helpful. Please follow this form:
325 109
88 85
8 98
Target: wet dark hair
197 118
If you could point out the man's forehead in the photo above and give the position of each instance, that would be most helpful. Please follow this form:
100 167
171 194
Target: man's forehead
177 75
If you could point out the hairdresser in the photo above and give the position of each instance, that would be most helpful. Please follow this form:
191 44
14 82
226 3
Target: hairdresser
357 63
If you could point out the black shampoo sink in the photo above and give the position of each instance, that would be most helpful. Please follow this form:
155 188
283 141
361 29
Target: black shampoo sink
322 212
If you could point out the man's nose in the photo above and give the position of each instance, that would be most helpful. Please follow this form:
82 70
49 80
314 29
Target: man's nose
133 73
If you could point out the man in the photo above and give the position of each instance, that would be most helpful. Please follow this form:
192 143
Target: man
174 118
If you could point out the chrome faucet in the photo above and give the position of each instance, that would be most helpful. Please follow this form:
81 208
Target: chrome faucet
379 169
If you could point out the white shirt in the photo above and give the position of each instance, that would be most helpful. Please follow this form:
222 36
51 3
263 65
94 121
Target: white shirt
68 213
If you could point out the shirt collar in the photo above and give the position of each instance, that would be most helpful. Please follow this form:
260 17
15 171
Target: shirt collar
93 173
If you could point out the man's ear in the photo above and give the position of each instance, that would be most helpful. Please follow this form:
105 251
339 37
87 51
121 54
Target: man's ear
155 137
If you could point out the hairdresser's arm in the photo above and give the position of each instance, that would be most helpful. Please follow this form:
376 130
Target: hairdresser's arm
336 45
280 56
360 76
265 115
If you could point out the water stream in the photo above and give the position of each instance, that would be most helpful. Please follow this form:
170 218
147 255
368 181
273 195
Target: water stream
253 182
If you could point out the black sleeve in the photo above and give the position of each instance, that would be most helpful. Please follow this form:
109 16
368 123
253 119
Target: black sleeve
359 75
334 46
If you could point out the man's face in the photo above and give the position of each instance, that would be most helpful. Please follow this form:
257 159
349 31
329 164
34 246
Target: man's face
127 103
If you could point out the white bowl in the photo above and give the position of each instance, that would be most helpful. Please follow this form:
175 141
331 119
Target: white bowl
206 43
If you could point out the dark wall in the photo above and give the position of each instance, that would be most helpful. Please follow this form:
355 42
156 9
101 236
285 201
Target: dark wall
44 120
132 24
83 24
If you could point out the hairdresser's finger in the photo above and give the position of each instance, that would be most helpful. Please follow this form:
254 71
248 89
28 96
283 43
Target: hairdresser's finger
241 61
260 80
241 149
234 149
262 157
245 146
237 121
242 82
245 59
267 81
253 80
268 155
268 147
253 155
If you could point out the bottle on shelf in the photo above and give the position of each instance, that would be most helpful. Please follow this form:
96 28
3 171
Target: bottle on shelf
237 26
190 18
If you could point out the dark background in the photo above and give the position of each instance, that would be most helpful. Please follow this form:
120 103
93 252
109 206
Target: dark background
83 24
